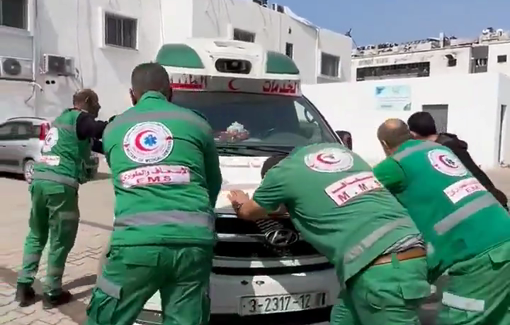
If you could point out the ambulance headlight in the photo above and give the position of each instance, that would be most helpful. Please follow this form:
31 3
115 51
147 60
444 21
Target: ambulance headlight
233 66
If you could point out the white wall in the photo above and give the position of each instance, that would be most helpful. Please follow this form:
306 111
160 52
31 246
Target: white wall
75 29
473 110
494 51
218 18
339 45
438 63
13 98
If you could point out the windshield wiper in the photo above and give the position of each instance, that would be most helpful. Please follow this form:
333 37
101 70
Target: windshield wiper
226 150
262 148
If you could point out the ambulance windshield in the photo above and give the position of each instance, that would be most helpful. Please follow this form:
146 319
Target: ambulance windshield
241 119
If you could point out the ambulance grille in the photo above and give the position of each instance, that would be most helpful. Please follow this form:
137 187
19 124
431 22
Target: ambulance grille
239 238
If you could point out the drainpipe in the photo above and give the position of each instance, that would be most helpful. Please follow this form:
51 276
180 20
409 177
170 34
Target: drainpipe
35 57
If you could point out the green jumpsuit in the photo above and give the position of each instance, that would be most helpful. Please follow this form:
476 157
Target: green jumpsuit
467 231
54 193
340 208
166 177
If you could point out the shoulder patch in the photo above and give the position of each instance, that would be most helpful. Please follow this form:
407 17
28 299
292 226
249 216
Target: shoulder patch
50 140
447 163
329 160
148 142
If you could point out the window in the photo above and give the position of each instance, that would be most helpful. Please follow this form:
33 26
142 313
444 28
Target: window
120 31
501 58
13 13
269 120
451 62
330 65
24 130
289 50
406 70
244 36
7 131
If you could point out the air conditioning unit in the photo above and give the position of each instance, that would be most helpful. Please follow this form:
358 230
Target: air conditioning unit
16 69
58 65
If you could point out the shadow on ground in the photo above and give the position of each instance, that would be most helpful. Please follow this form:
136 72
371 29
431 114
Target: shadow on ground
75 310
17 177
100 176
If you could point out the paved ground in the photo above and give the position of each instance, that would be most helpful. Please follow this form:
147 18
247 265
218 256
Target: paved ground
96 204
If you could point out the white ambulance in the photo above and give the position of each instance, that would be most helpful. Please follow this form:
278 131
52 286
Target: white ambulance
263 273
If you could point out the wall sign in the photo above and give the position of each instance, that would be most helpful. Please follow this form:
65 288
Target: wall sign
393 98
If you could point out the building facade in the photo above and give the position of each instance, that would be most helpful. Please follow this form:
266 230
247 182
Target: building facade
51 48
434 57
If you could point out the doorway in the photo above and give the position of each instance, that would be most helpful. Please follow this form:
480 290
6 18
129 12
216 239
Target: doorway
503 124
440 114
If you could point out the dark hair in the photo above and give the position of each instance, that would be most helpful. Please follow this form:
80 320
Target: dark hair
422 123
150 77
270 163
346 138
84 96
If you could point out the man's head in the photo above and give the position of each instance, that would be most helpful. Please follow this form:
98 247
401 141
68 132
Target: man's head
392 133
149 77
422 125
86 100
270 163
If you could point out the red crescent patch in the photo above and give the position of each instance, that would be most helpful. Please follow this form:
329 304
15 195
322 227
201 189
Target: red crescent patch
138 143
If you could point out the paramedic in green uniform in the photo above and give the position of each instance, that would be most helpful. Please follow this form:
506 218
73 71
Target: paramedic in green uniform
466 230
54 191
166 178
338 206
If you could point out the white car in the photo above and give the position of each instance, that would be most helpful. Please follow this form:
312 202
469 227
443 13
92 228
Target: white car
21 141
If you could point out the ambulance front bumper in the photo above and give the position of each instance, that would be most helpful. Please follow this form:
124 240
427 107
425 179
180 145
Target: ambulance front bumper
227 291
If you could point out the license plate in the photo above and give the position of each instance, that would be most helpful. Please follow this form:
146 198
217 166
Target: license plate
261 305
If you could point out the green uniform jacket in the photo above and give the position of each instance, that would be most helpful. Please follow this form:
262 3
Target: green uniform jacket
165 172
337 205
64 156
456 215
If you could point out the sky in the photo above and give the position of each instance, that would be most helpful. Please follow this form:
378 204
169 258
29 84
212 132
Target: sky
377 21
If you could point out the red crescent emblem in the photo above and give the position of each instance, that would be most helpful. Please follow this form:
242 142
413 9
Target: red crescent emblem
231 85
138 143
322 160
443 159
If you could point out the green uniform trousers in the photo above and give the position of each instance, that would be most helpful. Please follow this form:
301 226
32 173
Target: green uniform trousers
133 274
386 294
54 214
478 290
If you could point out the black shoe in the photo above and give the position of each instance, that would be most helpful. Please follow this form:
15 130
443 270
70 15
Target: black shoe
54 301
25 294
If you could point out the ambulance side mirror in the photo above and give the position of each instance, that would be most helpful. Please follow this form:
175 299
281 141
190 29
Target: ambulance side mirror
346 138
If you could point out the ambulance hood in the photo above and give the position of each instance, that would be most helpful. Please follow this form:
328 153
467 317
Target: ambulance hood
239 173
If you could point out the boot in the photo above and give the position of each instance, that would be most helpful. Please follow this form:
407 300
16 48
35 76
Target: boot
25 294
54 301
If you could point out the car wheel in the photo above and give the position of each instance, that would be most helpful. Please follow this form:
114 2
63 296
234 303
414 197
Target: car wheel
28 170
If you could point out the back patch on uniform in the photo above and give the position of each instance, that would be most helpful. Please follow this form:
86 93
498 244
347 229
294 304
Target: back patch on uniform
349 187
459 190
148 142
154 175
50 140
329 160
447 163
